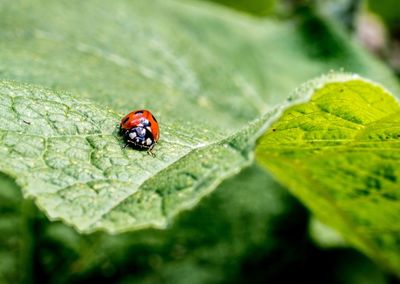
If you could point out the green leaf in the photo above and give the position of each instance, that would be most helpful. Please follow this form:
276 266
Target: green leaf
338 151
66 154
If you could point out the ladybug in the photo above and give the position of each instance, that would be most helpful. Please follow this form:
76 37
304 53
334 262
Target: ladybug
139 130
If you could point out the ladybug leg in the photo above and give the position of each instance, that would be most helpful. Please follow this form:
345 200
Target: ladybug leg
126 144
150 151
121 131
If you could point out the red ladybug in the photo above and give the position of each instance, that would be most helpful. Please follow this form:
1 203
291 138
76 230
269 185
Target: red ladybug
140 130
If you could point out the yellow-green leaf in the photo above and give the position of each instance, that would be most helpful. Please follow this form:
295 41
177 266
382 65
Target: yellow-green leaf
339 152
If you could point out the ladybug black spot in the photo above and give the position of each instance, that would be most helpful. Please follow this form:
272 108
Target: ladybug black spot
125 120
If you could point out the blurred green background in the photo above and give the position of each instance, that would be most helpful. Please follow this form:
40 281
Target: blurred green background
242 233
376 24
